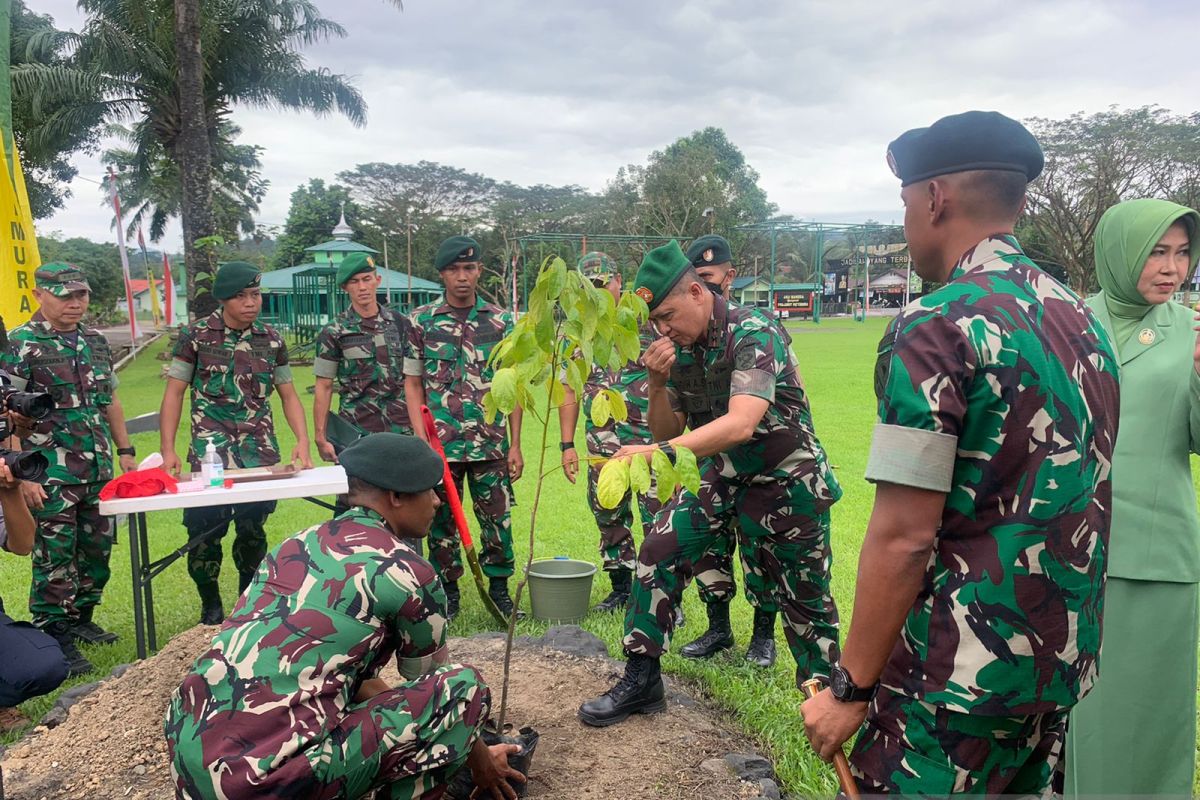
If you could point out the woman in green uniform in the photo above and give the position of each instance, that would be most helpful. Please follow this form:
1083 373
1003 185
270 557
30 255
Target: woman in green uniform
1135 734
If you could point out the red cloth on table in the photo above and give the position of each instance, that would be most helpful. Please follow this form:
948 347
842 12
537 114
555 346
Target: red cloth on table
141 483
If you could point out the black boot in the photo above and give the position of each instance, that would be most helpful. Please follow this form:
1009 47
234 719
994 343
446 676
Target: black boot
761 651
211 610
718 637
640 691
452 598
498 591
89 632
618 598
76 664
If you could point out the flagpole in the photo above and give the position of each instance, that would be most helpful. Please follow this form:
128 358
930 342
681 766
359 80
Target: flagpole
133 326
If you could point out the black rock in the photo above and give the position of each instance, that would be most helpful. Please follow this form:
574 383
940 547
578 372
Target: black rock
750 767
574 640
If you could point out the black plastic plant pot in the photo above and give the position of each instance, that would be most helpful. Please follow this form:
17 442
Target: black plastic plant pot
527 738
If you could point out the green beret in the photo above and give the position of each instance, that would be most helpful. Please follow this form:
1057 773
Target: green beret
455 249
709 250
984 140
232 277
597 266
661 269
352 265
60 279
393 461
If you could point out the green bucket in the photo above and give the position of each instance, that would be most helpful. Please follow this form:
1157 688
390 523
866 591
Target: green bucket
560 589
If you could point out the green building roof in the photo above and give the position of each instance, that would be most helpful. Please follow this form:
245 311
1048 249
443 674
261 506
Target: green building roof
279 281
339 246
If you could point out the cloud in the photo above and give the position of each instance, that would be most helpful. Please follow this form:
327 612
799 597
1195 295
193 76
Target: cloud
811 91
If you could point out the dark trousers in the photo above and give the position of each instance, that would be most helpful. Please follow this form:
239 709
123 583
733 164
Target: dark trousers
249 542
31 663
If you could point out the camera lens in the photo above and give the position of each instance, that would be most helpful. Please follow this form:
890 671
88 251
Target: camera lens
25 465
35 405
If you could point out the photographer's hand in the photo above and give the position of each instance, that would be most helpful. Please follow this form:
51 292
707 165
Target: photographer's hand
34 494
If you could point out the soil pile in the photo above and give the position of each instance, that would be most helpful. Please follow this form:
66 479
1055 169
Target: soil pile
111 744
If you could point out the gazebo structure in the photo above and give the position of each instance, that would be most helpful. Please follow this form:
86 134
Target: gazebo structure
303 299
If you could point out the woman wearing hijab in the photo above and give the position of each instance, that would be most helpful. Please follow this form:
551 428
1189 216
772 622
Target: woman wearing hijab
1135 734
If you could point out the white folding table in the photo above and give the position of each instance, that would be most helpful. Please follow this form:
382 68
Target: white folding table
307 485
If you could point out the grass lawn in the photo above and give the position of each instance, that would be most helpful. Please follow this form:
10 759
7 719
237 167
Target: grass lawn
836 360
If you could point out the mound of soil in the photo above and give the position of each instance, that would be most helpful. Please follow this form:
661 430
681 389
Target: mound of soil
111 745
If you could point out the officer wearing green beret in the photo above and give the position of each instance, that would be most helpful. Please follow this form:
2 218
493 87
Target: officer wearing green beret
363 350
447 368
315 720
726 373
712 257
977 610
56 353
231 363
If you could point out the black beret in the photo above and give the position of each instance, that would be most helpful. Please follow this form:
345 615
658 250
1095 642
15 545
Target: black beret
394 462
984 140
709 250
455 249
232 277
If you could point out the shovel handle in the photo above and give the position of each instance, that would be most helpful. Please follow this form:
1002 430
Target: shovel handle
456 508
840 765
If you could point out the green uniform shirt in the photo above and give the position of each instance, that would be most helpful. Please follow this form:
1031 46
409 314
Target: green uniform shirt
366 357
450 355
633 384
1000 389
232 375
77 371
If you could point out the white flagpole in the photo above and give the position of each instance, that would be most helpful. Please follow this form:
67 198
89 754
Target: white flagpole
134 331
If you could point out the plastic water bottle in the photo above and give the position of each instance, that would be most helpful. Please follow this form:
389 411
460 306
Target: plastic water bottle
212 469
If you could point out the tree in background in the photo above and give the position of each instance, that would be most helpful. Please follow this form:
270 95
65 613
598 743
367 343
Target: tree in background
1095 161
314 212
44 157
151 190
100 262
129 65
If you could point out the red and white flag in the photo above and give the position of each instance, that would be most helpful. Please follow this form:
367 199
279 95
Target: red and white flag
169 292
134 331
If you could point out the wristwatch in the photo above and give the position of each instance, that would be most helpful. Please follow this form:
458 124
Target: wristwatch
843 688
126 451
565 446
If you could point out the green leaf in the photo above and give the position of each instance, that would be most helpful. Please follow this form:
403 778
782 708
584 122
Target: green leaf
629 346
612 483
639 475
576 376
489 408
504 389
664 475
616 405
601 411
558 393
689 471
553 276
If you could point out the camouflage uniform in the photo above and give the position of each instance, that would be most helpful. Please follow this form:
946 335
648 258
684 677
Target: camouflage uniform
232 375
778 486
269 711
616 524
366 358
449 353
999 389
73 543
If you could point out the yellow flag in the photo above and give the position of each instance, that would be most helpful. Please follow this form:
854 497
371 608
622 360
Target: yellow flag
18 247
155 308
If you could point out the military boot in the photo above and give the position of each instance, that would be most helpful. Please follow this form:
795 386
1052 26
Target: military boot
718 637
498 591
618 598
76 664
211 610
89 632
452 599
761 651
640 691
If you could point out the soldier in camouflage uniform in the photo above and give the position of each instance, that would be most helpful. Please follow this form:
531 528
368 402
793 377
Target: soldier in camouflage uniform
603 441
287 701
56 353
977 613
446 368
363 351
231 364
726 372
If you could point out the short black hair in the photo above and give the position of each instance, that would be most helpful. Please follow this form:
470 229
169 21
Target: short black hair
360 486
685 280
992 194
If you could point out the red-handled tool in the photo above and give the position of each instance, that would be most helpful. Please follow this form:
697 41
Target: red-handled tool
460 519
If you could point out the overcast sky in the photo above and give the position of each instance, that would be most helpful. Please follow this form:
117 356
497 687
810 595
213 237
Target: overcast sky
568 91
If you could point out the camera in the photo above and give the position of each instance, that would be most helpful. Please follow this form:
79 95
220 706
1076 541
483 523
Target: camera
26 465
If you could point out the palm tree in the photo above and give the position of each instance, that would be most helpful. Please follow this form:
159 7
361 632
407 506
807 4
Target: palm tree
147 62
150 187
